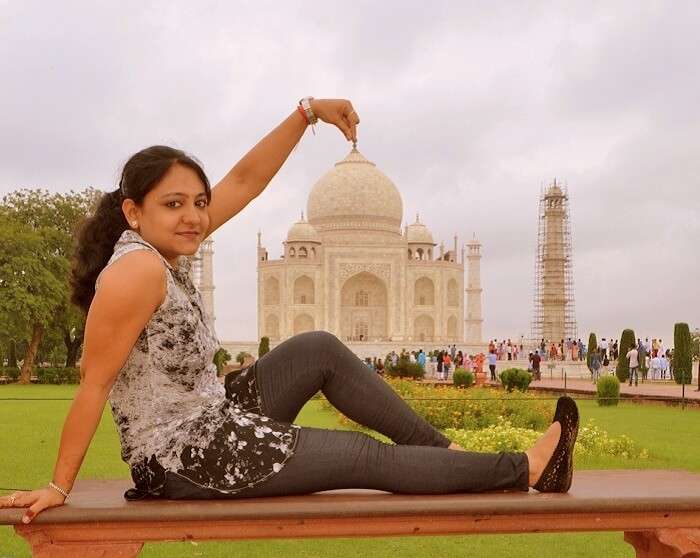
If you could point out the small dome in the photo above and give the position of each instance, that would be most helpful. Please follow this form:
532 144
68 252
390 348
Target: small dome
303 231
355 194
418 233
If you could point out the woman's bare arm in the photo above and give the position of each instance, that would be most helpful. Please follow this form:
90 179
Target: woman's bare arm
130 290
249 177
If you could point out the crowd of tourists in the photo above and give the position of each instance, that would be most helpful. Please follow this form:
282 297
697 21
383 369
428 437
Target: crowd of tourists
439 364
649 358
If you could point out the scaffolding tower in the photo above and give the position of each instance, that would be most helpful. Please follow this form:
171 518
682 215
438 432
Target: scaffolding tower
554 314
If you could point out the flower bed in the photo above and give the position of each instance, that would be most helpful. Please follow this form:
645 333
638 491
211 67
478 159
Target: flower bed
488 420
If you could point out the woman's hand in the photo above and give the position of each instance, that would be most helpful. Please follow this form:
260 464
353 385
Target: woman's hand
35 500
338 112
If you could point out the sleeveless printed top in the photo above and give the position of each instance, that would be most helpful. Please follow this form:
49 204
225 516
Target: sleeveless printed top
171 410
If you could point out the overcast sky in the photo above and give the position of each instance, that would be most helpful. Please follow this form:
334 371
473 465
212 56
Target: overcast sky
469 107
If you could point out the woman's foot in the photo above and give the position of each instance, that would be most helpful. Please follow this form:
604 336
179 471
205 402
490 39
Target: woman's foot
539 455
557 474
454 446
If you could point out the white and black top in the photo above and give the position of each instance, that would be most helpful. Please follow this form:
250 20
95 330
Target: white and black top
172 411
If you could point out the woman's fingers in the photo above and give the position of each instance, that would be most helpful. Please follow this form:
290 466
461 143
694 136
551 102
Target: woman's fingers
34 509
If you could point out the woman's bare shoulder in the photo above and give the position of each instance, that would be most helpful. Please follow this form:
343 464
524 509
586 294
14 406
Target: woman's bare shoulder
138 276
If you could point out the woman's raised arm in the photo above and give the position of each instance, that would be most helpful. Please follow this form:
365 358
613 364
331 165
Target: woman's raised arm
253 172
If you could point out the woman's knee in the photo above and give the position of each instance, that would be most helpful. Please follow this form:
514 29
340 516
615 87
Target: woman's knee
318 340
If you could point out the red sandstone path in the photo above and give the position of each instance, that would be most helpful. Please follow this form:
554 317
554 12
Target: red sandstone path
578 381
656 388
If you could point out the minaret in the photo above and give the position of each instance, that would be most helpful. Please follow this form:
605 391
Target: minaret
554 317
474 320
206 286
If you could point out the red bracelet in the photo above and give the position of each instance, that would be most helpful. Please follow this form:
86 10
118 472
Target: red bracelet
303 113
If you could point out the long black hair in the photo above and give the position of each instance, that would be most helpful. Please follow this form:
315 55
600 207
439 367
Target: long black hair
99 232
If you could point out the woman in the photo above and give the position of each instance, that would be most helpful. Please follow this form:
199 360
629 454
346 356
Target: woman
149 348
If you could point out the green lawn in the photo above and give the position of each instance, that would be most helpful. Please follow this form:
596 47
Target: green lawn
31 441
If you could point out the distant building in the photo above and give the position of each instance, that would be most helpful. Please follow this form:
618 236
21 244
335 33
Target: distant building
351 270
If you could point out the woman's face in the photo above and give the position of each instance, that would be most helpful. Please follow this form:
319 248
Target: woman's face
176 206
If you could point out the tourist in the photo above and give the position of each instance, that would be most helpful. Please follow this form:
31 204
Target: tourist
149 347
446 362
574 351
642 359
655 368
603 348
380 367
536 366
509 350
492 364
633 356
594 366
453 352
421 359
663 365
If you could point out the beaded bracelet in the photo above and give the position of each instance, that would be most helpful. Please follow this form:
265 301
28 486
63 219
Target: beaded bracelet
59 489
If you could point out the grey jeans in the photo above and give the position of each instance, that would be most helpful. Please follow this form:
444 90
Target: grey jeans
417 463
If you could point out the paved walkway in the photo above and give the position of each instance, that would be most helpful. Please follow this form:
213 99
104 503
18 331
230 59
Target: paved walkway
578 381
650 389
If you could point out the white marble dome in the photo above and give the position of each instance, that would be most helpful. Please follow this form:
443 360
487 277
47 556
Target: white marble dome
418 233
355 195
303 231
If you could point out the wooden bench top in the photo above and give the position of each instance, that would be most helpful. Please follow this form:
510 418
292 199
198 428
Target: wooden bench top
606 492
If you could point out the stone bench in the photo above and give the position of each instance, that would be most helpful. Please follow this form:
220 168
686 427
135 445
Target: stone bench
659 512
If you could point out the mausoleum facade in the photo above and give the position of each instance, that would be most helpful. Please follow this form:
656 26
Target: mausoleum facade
352 270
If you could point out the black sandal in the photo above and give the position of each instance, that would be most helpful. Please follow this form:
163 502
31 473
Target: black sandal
558 472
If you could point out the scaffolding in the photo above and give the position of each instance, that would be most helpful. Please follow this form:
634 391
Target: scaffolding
554 309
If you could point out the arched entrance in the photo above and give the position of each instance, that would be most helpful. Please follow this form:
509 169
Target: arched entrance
424 328
302 323
364 309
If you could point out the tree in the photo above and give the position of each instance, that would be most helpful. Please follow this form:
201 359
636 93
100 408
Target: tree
592 347
31 284
682 358
54 218
627 341
264 346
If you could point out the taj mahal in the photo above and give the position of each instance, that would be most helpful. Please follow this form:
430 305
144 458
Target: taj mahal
349 268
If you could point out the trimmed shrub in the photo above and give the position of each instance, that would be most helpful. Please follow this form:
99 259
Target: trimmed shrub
221 357
264 346
11 372
515 378
592 346
240 357
463 378
608 391
57 375
682 358
627 341
405 369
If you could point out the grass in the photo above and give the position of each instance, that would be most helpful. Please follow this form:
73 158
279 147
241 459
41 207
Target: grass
31 438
